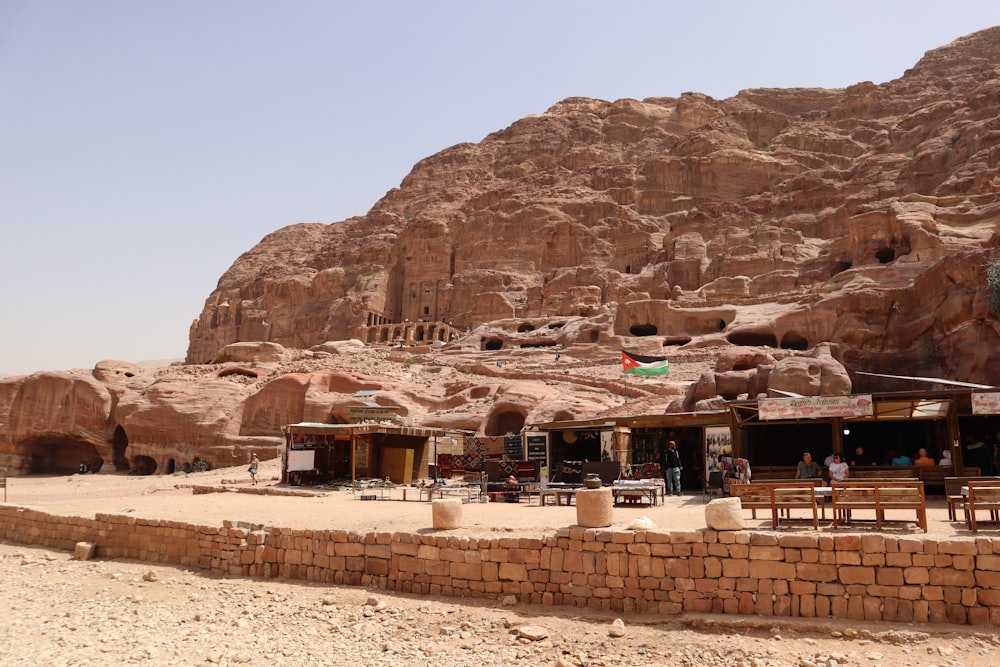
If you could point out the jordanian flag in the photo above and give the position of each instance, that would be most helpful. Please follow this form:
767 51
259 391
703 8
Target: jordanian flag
636 364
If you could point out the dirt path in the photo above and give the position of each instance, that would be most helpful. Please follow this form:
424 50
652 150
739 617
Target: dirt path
158 497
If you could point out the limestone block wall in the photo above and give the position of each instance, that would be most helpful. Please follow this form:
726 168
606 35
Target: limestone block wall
854 576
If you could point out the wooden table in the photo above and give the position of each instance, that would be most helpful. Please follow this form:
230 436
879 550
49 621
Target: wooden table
637 490
557 491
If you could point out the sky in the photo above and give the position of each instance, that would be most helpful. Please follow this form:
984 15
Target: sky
145 145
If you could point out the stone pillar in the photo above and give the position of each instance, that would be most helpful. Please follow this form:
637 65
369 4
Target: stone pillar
447 513
594 507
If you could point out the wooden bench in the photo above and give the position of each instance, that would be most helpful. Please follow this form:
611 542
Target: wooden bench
768 473
983 495
878 496
777 497
883 472
936 475
815 481
953 491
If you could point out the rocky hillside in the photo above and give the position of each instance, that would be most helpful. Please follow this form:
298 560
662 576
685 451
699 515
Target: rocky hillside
863 217
780 239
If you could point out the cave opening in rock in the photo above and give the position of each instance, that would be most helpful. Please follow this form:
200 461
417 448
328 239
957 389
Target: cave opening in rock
753 338
119 443
60 455
885 255
722 325
245 372
419 334
540 344
525 327
143 465
646 329
492 344
503 422
592 336
171 466
557 325
838 267
793 341
676 340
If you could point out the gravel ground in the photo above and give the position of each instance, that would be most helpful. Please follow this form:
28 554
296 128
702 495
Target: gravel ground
60 611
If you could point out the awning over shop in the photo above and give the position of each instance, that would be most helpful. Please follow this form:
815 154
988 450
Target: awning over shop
911 409
346 430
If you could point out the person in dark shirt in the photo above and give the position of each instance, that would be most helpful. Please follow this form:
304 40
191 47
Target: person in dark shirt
672 469
860 458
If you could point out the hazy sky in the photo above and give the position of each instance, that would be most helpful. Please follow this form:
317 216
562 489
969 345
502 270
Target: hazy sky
146 145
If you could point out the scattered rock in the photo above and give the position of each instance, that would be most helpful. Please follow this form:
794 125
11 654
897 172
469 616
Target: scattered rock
509 601
617 628
150 575
532 632
84 550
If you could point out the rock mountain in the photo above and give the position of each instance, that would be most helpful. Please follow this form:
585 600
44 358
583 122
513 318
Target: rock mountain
779 238
863 217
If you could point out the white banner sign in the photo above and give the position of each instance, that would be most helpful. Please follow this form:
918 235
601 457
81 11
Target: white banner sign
986 404
815 407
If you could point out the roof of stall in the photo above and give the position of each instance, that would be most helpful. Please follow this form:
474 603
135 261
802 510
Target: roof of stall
364 429
673 419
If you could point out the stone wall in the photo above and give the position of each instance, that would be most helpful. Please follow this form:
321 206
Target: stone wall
872 577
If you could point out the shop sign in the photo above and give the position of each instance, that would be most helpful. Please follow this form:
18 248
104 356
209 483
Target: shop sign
815 407
536 448
986 403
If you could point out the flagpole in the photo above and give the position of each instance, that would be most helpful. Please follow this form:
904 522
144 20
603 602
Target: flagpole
625 373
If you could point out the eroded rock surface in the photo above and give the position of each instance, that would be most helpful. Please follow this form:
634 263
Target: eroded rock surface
863 217
779 239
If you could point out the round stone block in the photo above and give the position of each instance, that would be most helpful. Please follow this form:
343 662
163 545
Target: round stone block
447 513
724 514
594 507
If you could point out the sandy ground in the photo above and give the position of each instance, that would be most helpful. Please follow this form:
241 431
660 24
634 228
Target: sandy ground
160 497
59 611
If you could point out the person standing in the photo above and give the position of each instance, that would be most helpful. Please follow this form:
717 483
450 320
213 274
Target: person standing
253 469
672 469
807 469
977 454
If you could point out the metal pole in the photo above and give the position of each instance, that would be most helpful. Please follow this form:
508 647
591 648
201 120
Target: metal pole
354 465
626 395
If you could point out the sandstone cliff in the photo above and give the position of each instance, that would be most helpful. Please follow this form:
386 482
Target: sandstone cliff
779 239
867 215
